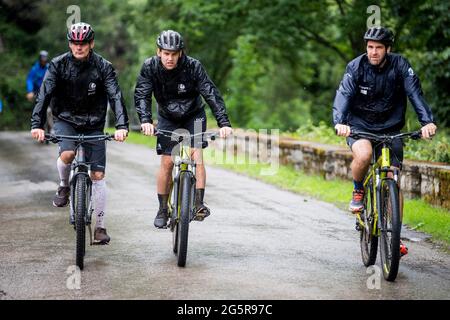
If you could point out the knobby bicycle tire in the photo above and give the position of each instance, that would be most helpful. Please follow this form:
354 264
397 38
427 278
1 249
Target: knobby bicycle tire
185 214
390 229
368 240
80 207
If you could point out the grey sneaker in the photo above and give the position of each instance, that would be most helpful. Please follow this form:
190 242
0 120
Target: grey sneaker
357 203
101 236
61 198
161 218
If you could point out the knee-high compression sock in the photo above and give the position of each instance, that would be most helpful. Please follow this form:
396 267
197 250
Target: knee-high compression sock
64 172
99 202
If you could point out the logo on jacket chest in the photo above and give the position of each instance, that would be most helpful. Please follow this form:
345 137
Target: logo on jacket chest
181 88
364 89
91 88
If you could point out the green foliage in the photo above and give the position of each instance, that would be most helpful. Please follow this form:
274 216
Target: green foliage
278 63
318 133
438 149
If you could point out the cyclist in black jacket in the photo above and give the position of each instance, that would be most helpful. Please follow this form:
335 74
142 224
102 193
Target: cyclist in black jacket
178 83
372 97
78 86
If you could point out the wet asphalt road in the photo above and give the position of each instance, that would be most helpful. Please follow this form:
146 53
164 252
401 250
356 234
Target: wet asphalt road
259 243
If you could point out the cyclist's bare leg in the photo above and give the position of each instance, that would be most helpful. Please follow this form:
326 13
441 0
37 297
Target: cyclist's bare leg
67 156
164 177
201 210
63 165
362 154
164 180
200 175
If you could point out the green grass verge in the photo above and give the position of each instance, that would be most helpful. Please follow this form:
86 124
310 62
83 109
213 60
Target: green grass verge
418 215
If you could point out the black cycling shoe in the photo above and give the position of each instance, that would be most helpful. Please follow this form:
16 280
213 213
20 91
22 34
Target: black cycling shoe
161 218
100 236
201 212
61 198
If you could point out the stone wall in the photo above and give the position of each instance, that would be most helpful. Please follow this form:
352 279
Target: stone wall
428 180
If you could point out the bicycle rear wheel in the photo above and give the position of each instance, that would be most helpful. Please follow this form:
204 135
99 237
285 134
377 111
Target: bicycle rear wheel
80 206
368 240
185 214
390 229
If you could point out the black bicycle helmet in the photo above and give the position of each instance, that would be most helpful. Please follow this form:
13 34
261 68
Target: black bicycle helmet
380 34
80 32
170 40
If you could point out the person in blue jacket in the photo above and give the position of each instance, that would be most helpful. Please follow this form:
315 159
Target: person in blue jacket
36 75
34 81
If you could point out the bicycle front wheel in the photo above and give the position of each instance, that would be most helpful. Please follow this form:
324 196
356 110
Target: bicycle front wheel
390 229
368 237
80 206
184 219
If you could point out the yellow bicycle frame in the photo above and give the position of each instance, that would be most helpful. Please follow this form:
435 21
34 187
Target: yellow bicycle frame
384 162
183 154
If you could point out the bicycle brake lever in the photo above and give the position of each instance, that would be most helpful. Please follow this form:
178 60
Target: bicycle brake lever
416 135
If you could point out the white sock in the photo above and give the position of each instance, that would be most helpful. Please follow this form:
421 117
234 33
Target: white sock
99 202
64 172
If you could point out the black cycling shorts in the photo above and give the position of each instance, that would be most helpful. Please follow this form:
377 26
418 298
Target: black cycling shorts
194 124
95 151
396 152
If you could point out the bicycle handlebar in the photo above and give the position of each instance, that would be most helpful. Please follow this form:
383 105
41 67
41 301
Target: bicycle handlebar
415 135
80 138
170 134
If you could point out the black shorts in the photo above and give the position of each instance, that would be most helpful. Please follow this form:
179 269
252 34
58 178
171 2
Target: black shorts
396 150
194 124
95 151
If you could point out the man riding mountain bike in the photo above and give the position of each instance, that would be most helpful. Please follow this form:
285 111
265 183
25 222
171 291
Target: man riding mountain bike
178 82
77 87
372 97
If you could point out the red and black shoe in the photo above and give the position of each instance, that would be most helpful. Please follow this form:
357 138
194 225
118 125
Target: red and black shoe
357 203
403 249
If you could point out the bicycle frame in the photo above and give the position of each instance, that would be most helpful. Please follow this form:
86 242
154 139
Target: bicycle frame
379 170
183 163
79 167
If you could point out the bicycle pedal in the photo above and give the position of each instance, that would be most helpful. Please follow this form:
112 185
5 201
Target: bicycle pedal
100 243
199 218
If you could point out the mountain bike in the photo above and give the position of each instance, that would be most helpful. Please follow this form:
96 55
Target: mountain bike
80 191
380 218
181 198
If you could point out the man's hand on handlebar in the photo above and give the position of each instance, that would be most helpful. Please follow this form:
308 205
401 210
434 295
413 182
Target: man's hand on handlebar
225 132
428 130
30 96
120 135
342 130
38 134
148 129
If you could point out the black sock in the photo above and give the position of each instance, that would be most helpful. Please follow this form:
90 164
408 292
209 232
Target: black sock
163 199
199 194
